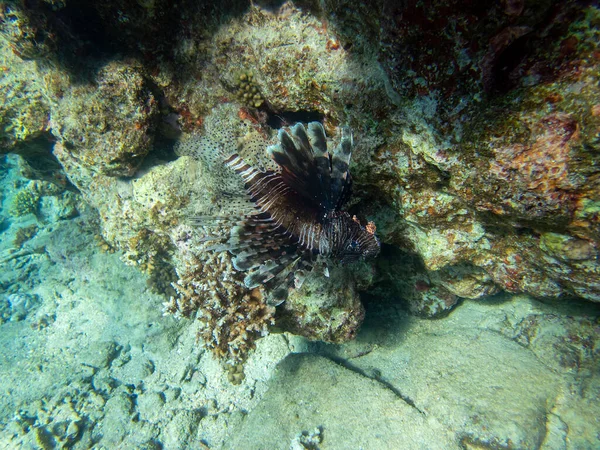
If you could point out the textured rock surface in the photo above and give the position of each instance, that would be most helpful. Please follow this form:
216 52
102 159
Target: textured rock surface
503 142
313 392
329 310
88 360
106 126
476 129
480 378
24 112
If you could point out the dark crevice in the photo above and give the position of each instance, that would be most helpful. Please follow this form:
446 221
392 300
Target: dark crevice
284 118
164 150
39 163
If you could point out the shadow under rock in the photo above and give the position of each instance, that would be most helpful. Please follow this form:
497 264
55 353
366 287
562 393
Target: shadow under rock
564 306
386 323
570 306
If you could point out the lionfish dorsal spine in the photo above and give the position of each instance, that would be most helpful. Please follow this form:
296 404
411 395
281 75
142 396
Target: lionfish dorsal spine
340 163
318 143
264 188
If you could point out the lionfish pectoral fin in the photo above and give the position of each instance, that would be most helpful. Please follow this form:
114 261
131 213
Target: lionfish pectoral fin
280 286
249 259
257 277
210 224
281 291
277 276
268 270
305 265
254 234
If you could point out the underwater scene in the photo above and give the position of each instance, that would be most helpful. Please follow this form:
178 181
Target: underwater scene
312 224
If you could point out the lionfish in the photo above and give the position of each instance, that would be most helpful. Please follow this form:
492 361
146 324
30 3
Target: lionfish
297 216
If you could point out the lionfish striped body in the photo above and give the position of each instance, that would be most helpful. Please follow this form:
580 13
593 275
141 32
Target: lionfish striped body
298 214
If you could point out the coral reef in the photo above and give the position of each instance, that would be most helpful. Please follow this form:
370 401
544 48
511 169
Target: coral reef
486 193
299 65
24 109
231 317
476 131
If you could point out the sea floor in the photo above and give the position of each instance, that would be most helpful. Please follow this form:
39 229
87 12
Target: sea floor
87 360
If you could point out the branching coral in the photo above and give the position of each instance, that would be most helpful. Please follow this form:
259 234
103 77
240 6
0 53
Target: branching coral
25 202
232 317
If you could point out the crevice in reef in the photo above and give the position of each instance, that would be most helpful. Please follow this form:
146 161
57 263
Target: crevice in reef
377 377
39 163
283 118
163 151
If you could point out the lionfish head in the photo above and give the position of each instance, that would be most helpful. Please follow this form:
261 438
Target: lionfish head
360 243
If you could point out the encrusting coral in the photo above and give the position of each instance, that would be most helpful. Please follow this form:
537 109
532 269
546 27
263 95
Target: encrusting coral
247 91
106 124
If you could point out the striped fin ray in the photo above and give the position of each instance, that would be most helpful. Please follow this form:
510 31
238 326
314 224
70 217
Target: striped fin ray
318 142
253 257
291 277
266 273
309 169
254 237
340 162
258 184
245 170
267 190
294 155
209 220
